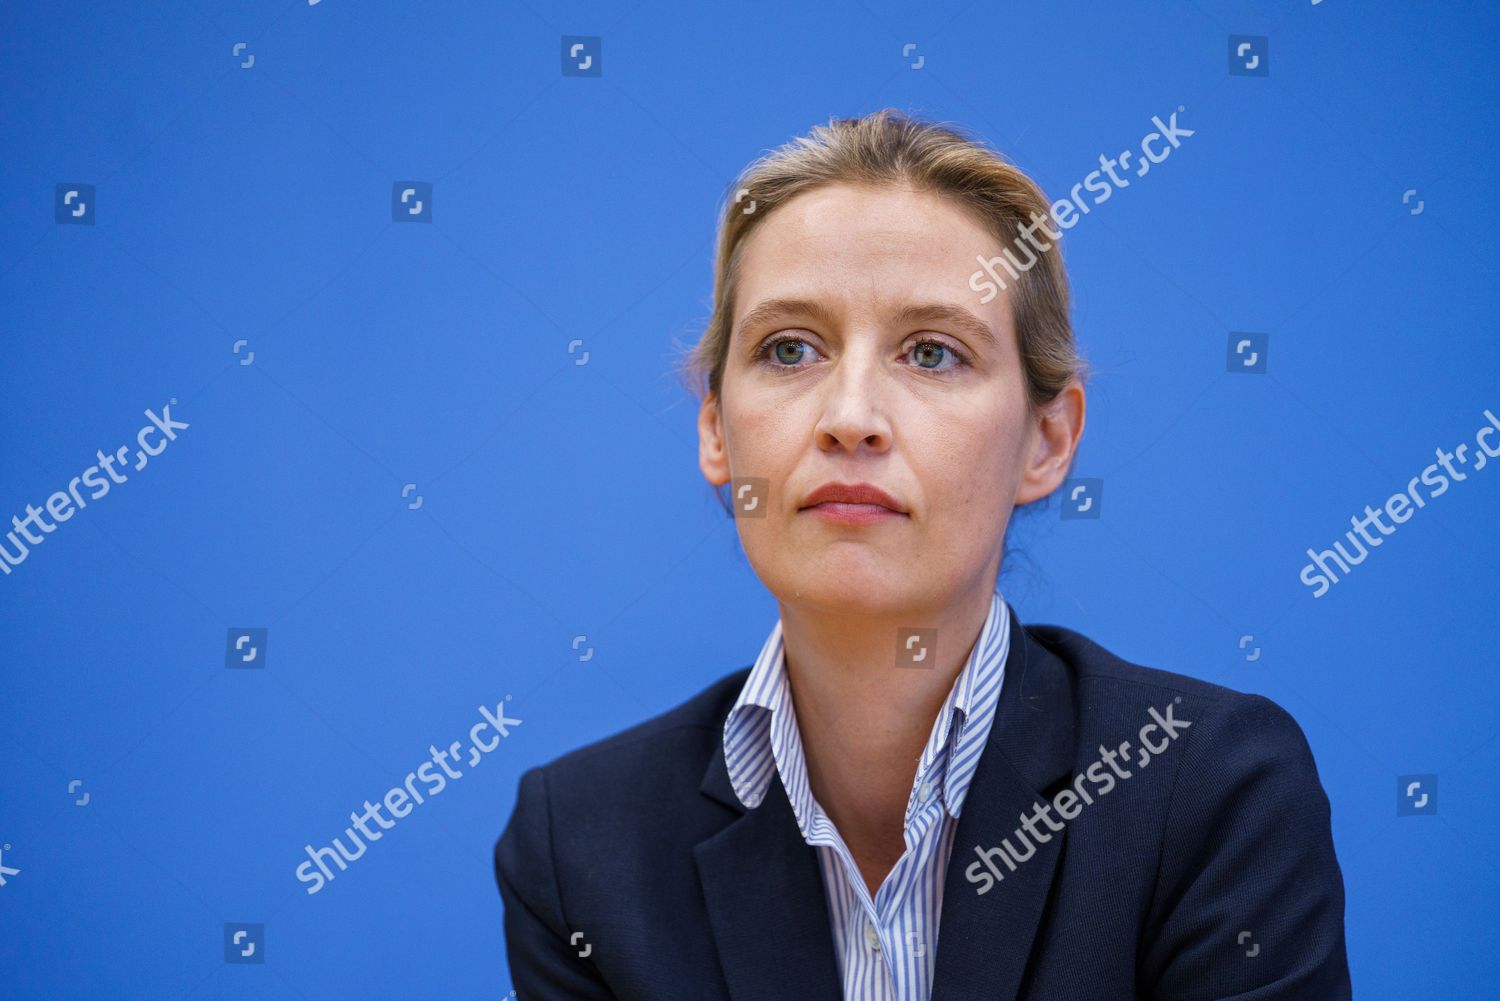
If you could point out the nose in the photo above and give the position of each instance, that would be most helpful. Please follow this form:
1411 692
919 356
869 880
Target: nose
853 411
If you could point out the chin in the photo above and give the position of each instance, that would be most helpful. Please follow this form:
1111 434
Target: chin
861 588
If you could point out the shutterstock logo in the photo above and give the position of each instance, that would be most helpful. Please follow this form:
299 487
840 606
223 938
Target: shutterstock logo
1102 776
1065 212
1329 566
434 775
64 504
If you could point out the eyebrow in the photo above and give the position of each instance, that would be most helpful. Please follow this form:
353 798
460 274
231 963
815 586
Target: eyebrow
775 310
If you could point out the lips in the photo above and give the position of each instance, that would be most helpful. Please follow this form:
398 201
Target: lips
853 493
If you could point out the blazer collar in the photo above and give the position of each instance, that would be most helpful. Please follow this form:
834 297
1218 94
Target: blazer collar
764 890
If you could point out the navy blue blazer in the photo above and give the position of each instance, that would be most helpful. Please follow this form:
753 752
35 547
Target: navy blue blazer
630 870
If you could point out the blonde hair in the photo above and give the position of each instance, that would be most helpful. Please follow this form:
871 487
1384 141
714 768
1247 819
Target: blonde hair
887 148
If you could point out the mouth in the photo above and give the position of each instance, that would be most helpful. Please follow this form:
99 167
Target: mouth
851 514
852 503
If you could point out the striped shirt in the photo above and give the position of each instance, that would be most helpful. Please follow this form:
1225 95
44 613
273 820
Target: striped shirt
886 947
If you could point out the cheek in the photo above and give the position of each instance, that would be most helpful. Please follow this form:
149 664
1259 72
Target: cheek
969 469
758 431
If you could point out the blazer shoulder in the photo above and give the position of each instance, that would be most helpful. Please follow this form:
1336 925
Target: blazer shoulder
1112 690
1240 748
1093 664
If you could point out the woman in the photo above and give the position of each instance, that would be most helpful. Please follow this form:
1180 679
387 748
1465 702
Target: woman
910 794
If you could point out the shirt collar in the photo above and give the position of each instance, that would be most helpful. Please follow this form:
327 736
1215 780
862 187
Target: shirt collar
760 731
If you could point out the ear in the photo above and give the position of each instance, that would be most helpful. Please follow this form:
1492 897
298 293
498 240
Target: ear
713 450
1053 442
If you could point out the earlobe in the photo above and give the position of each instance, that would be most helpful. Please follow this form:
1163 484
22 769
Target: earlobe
713 457
1039 477
1056 436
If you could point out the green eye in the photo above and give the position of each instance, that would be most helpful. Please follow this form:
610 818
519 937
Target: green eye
787 352
938 351
790 357
932 348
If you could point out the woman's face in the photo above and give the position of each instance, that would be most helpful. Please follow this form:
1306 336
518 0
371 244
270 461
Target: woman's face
859 355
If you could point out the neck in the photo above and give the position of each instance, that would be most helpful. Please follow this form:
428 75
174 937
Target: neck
863 720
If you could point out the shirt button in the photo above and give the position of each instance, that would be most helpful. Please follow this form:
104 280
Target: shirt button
872 939
924 790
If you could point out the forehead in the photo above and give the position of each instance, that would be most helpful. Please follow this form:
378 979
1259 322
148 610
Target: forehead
857 245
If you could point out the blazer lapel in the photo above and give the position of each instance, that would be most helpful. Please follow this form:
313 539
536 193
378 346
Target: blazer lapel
765 899
984 941
764 890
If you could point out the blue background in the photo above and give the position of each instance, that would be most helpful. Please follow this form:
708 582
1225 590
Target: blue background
561 499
